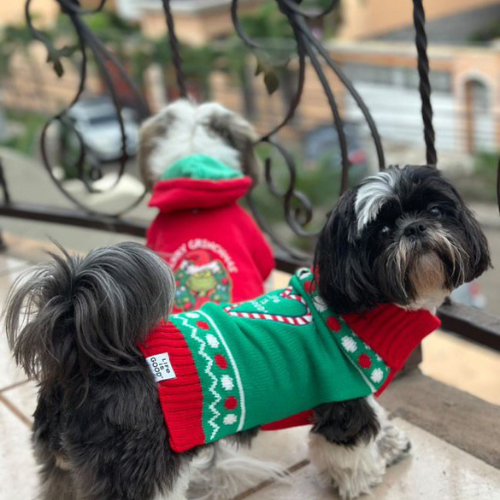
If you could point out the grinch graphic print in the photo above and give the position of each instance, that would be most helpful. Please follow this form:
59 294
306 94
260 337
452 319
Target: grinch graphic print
202 271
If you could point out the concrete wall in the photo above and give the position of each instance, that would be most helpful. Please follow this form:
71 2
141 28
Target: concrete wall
196 28
366 18
12 12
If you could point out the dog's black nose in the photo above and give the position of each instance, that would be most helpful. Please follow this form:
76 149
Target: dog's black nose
414 229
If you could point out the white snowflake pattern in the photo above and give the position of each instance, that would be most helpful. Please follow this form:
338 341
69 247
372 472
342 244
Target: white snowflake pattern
227 382
230 419
377 375
304 273
212 341
192 315
349 344
320 304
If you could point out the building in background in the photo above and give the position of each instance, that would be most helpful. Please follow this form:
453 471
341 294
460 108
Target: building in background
197 22
374 44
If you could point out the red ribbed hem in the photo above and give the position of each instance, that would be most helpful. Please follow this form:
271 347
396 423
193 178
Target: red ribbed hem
392 332
304 418
185 194
181 398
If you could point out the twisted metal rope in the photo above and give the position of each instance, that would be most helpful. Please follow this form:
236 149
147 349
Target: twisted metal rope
424 86
498 185
174 46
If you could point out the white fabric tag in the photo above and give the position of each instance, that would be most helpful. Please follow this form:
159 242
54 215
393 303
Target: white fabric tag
160 367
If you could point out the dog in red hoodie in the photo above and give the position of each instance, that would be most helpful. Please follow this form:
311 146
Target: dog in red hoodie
199 161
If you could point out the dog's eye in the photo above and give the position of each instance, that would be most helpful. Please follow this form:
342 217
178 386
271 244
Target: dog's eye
384 231
436 212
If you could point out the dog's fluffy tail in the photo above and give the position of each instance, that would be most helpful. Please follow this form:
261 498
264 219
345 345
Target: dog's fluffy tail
75 315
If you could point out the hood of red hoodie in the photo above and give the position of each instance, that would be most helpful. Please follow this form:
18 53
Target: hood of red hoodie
186 194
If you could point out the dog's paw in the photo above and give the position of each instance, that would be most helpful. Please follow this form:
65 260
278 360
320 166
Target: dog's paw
351 483
353 471
393 445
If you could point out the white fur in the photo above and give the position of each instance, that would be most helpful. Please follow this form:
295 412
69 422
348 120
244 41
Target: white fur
355 470
189 135
372 195
221 472
392 443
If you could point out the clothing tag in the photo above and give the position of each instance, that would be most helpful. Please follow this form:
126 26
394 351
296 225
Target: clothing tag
160 367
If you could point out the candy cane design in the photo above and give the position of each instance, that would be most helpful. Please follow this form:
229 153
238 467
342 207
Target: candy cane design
304 319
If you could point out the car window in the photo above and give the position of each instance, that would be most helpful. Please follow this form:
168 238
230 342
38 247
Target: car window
324 140
102 120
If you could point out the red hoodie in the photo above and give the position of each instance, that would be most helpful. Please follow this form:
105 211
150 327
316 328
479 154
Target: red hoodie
216 250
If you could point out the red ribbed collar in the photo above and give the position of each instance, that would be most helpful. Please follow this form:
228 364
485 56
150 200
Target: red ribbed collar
184 194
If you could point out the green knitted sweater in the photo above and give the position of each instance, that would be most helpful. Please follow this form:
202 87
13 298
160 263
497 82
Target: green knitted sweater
228 368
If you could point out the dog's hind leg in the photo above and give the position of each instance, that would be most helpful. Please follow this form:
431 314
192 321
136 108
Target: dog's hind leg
56 480
56 483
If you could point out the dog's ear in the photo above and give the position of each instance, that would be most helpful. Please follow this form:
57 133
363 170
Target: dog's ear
240 135
151 129
344 277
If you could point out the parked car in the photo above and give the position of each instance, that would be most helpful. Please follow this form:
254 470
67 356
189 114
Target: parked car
96 120
322 144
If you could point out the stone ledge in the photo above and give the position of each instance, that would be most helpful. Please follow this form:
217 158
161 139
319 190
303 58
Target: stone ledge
467 422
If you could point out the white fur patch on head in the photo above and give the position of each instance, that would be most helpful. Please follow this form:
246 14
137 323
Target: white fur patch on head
189 134
372 195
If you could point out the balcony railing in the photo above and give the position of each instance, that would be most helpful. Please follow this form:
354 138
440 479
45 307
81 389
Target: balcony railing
298 210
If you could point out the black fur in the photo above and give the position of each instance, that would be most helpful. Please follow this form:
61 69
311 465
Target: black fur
346 423
357 272
98 411
74 325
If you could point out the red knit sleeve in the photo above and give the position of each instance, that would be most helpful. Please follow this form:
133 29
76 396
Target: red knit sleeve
152 235
264 258
392 332
261 250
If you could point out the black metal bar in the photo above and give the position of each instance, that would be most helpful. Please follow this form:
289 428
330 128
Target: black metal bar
424 83
498 185
82 219
3 184
174 46
377 141
339 124
472 324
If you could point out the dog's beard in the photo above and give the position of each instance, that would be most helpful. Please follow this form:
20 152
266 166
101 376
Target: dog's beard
416 269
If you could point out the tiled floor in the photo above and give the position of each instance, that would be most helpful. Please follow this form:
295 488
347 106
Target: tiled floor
437 470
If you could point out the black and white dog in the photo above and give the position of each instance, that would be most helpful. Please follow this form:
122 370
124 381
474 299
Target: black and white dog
403 236
185 128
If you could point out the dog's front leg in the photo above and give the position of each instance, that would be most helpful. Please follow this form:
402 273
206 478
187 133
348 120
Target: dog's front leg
352 443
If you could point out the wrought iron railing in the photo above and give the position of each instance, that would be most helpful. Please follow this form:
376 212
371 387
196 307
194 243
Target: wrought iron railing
298 209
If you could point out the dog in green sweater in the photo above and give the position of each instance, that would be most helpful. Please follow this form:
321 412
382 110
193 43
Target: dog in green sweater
128 395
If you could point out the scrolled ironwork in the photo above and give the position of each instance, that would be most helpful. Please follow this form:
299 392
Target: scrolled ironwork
498 185
308 51
174 47
87 40
308 48
293 5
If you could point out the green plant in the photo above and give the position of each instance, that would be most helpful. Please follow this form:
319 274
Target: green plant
480 184
27 141
488 33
